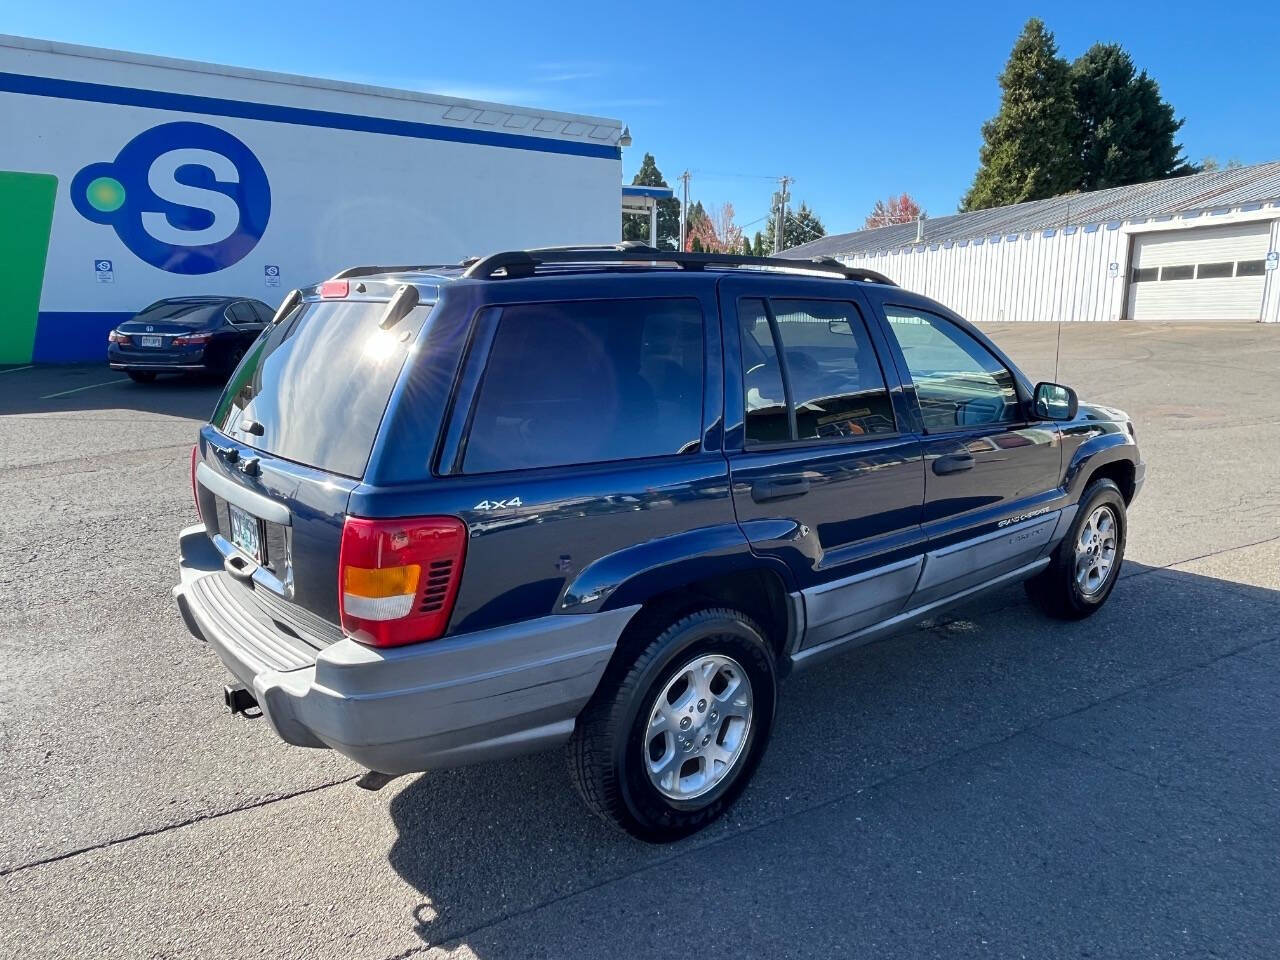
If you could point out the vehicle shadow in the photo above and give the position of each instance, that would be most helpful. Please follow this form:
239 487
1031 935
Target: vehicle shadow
490 842
95 387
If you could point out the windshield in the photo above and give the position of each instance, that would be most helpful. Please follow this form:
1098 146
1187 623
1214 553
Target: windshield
314 386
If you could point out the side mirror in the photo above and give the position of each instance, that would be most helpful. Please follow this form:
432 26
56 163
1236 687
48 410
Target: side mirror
1053 401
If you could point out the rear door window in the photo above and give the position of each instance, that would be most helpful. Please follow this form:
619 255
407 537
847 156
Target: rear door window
317 384
588 382
837 389
241 312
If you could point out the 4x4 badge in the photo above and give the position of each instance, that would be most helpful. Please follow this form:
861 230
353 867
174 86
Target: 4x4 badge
498 504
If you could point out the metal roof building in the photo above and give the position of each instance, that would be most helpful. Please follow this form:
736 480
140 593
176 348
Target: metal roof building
1200 247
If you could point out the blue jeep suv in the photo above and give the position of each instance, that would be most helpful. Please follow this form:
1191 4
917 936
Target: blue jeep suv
609 497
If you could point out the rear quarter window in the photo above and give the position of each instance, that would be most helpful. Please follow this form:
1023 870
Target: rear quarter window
589 382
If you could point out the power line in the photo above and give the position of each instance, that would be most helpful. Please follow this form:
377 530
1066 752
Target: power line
740 176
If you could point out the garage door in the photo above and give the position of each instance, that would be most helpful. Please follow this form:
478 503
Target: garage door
1207 273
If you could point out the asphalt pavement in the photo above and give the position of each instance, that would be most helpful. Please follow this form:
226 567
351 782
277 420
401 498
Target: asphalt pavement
992 785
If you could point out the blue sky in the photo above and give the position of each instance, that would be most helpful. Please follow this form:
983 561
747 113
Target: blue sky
855 101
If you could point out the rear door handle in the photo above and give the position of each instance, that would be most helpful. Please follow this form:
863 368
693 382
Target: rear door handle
779 488
953 463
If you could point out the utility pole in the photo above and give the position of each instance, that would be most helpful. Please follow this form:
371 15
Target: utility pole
780 224
684 209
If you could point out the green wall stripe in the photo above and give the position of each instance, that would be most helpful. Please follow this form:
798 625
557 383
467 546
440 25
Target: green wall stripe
26 209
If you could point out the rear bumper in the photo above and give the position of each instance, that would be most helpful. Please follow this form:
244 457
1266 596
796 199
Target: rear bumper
157 361
478 696
159 367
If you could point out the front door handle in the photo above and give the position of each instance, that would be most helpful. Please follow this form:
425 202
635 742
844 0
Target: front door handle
779 488
953 463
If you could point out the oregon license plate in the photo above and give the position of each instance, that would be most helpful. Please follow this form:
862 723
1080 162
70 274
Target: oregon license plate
246 532
150 341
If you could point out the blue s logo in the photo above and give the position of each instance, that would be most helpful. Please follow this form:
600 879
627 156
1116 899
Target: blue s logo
185 197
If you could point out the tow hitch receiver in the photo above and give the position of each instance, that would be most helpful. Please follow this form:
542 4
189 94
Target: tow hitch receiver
238 698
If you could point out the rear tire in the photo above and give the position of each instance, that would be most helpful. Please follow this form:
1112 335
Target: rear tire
1086 564
672 738
141 376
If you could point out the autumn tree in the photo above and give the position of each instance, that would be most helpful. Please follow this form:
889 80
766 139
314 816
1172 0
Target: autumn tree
716 232
693 219
899 209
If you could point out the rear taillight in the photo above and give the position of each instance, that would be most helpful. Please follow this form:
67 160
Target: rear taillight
192 339
195 490
115 336
397 579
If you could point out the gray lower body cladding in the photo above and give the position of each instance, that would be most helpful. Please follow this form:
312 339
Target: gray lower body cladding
876 603
448 702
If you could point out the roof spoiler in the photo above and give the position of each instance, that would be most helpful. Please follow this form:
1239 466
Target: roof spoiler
288 303
374 270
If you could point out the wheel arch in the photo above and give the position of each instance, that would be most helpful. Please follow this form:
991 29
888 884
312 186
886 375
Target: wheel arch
1111 455
672 576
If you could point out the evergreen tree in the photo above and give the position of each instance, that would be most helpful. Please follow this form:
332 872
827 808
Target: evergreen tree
746 246
757 245
1029 147
636 227
802 226
1125 130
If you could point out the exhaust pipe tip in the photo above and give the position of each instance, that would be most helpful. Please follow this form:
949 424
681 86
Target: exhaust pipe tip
238 698
372 780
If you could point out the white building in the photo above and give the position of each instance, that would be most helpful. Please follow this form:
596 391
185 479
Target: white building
126 179
1196 248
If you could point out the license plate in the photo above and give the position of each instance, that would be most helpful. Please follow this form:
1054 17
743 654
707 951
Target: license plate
245 532
150 341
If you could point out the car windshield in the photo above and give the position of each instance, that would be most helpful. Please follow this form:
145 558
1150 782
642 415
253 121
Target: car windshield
313 388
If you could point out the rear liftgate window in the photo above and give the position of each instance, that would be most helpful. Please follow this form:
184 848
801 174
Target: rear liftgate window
589 382
317 384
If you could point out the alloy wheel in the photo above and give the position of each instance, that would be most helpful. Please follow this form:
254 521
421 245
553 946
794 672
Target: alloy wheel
698 727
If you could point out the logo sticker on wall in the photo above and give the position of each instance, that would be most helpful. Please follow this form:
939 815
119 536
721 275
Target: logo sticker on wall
185 197
105 271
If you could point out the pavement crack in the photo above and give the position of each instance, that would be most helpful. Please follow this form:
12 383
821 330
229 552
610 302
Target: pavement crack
190 821
90 462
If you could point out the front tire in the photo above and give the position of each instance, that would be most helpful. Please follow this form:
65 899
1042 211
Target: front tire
670 740
1086 564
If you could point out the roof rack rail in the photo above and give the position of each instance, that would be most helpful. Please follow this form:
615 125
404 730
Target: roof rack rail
525 263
